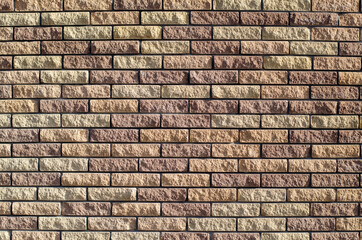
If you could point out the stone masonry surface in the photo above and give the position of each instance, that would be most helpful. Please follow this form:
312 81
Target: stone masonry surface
180 120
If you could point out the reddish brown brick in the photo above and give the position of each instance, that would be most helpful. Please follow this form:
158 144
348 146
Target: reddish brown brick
284 92
65 47
285 180
137 4
18 223
86 91
335 236
350 19
113 164
312 107
213 77
6 62
38 33
349 165
36 179
311 224
285 151
164 77
185 121
337 63
184 236
36 150
87 62
186 209
113 135
214 18
164 106
213 106
5 179
334 209
163 165
115 77
350 136
86 209
186 150
6 5
162 194
135 120
238 62
263 106
335 34
351 49
115 47
313 136
236 180
334 92
264 18
215 47
63 106
313 19
186 32
19 135
335 180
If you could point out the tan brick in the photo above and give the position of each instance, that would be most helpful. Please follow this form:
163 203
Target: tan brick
19 19
85 179
6 33
137 62
19 77
237 33
212 224
16 106
85 235
236 150
284 209
5 235
288 62
261 224
19 48
185 180
162 224
86 150
349 195
113 106
265 47
287 5
87 5
62 223
136 235
187 5
135 150
88 32
164 135
63 164
36 120
313 48
235 209
183 91
187 62
165 47
136 91
62 194
86 120
164 18
209 165
285 121
36 208
312 165
137 32
264 136
18 164
236 91
311 195
350 78
136 209
286 33
112 194
63 135
114 18
43 235
263 165
17 194
65 18
64 77
237 5
335 122
262 195
337 63
111 223
336 151
282 236
235 121
349 224
38 62
36 91
86 91
212 195
350 19
213 135
335 34
135 179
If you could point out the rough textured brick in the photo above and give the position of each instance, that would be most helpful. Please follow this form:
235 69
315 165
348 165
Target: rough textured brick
136 150
85 150
135 179
85 179
285 151
18 235
264 18
237 5
34 208
65 18
114 18
163 47
236 92
187 5
309 165
207 165
40 62
62 223
87 5
335 6
85 120
165 18
314 78
315 107
335 151
112 194
313 19
338 122
237 33
38 33
137 32
337 63
285 5
113 164
136 209
335 34
163 165
285 209
288 62
162 194
186 32
87 62
263 165
19 19
311 195
334 209
212 224
212 195
261 224
137 62
334 92
138 4
214 18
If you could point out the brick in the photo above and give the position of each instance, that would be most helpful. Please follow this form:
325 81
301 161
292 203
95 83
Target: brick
164 18
113 77
36 179
65 18
311 165
112 194
85 179
5 210
311 224
238 92
87 32
137 62
135 150
315 107
313 78
85 235
85 120
62 194
5 179
18 235
207 135
286 33
186 150
351 49
236 150
235 180
349 195
348 224
115 47
36 91
280 236
63 106
64 77
213 77
263 165
334 92
5 120
263 106
285 5
63 164
16 106
285 180
186 32
214 106
138 4
335 34
62 223
261 224
350 136
162 224
135 235
38 33
235 209
287 62
18 223
165 47
86 150
136 209
235 121
212 195
6 33
334 209
335 6
137 32
87 5
108 223
19 19
335 180
311 195
285 121
19 77
335 235
264 18
5 91
235 236
187 5
264 47
65 47
187 62
185 121
37 62
185 180
38 5
215 47
86 208
135 179
237 5
164 135
164 77
6 5
113 106
350 78
186 209
285 151
164 106
313 19
113 135
36 120
114 18
337 63
18 164
87 62
19 48
163 165
208 165
314 48
214 18
185 91
63 135
351 20
136 120
162 194
337 122
5 150
263 136
18 194
36 208
6 63
237 33
285 209
113 164
313 136
212 224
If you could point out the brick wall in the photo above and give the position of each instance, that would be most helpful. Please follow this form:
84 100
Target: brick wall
180 120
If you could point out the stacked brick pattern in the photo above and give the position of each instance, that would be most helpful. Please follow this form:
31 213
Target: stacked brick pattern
180 119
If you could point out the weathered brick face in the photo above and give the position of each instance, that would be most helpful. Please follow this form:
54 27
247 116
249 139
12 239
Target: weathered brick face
180 119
